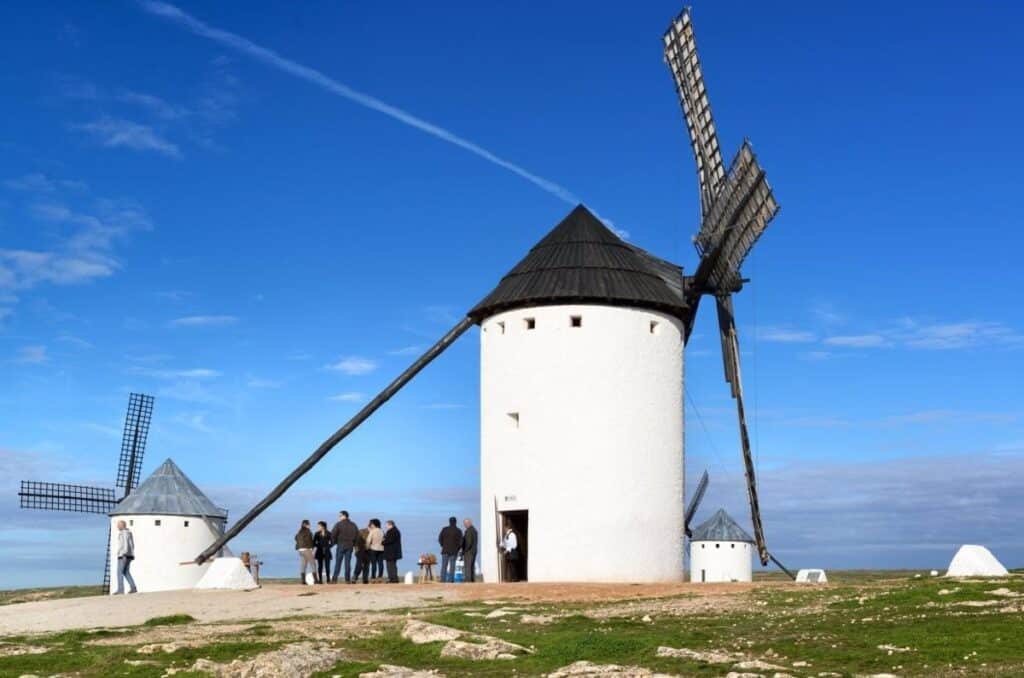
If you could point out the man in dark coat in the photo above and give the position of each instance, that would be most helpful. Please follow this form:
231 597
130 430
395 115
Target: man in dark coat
392 550
469 548
344 535
450 540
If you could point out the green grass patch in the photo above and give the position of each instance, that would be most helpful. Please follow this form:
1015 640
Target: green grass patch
170 620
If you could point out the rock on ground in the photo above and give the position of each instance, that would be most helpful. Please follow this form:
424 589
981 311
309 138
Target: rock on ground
392 671
18 650
736 674
709 656
540 619
587 669
421 632
153 648
491 648
298 660
757 665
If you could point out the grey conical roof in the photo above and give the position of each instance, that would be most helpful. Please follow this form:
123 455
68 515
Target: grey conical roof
168 492
582 262
720 527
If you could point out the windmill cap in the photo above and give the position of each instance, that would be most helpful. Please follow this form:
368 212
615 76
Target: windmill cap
169 492
720 527
581 261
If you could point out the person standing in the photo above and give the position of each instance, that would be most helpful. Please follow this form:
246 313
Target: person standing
322 553
450 540
510 546
362 557
375 549
125 556
304 545
344 536
392 550
469 548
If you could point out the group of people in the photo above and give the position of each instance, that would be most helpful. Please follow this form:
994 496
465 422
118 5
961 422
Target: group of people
375 549
373 546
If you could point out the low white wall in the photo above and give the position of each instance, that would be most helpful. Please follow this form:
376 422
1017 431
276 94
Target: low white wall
720 561
160 550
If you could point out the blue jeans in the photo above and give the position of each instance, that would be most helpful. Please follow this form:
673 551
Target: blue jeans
343 554
376 564
123 565
448 567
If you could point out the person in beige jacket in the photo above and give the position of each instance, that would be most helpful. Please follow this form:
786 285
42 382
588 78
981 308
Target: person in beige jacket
375 549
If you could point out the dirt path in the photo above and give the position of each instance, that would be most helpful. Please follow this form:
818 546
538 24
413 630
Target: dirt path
282 600
270 602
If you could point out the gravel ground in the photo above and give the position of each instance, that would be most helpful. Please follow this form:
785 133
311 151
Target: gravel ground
282 600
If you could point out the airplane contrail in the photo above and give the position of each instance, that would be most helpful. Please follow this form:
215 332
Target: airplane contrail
313 76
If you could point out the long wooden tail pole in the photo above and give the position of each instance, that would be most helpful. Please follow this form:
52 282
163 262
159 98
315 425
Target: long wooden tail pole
339 435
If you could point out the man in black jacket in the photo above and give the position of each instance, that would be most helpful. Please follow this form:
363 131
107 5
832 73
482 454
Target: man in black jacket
469 547
392 550
450 540
344 535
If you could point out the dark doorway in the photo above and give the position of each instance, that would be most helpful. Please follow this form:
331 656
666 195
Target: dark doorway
519 521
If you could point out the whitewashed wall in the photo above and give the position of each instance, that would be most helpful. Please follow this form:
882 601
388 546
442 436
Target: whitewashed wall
720 561
597 454
159 550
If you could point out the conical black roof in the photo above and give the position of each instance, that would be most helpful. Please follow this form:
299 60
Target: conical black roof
582 261
168 492
720 527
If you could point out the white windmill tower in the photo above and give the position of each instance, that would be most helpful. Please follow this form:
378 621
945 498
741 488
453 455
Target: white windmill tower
170 519
581 400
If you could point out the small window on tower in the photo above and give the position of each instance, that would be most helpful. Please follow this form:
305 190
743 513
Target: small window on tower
186 523
654 327
530 323
732 545
157 523
513 418
718 546
131 522
501 326
575 321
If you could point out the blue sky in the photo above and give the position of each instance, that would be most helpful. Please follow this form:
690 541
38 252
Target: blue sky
230 216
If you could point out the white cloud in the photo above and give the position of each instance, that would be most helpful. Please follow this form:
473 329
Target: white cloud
191 373
72 340
857 341
936 336
353 366
256 382
35 183
414 349
315 77
32 355
119 133
84 251
349 397
444 406
194 420
154 104
968 334
785 335
204 321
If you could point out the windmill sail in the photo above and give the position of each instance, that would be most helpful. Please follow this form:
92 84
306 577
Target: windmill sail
133 441
682 59
698 496
731 359
736 208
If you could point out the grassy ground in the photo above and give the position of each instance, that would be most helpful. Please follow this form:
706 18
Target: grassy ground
928 627
29 595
